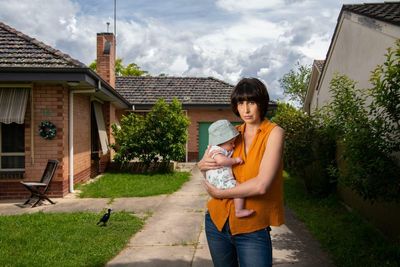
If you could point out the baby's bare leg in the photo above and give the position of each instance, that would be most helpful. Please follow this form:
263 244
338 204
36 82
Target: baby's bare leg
240 211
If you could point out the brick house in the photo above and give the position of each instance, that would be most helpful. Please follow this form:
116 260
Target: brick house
39 83
204 100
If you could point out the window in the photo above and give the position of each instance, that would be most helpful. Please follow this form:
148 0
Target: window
94 134
101 127
12 147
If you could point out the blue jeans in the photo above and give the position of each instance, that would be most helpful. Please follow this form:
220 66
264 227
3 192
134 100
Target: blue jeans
247 250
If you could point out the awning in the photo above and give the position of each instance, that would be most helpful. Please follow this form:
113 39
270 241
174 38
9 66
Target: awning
13 104
98 112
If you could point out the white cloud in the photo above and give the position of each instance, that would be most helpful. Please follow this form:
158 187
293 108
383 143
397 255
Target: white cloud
226 39
47 20
154 47
246 5
244 34
179 66
316 47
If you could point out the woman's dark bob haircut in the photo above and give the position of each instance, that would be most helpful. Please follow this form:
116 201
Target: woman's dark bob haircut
250 89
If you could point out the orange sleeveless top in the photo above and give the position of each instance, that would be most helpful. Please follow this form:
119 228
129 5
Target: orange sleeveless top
268 207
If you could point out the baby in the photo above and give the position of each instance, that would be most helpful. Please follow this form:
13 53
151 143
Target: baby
222 137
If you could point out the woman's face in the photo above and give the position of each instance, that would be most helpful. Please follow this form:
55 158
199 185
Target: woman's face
248 111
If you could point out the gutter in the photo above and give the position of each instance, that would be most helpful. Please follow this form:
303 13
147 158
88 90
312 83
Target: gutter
86 75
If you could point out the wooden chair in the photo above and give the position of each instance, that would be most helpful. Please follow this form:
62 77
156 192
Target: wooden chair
38 189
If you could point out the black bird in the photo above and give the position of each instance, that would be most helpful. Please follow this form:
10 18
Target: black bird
105 218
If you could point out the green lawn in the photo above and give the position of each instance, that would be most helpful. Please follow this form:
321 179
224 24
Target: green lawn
113 185
63 239
349 239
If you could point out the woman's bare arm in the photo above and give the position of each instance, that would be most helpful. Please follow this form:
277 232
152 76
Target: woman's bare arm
269 166
226 161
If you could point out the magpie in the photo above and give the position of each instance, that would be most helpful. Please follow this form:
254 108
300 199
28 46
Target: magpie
105 218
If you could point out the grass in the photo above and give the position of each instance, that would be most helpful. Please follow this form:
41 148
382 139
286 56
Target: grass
113 185
63 239
349 239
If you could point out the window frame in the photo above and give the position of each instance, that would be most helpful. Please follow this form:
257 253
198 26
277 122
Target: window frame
5 154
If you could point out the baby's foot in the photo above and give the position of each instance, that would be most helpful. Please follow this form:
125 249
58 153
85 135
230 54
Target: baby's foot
243 213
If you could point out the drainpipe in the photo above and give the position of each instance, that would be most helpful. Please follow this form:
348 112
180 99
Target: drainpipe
187 141
71 134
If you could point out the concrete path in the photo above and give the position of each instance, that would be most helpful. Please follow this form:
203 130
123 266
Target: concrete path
174 231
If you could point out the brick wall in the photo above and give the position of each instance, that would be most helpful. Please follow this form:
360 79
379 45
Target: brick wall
51 102
106 62
82 137
48 104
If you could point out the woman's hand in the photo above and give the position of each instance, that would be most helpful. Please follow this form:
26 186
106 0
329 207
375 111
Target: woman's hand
212 190
207 162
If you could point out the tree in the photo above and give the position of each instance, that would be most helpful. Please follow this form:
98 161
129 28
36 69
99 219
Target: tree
295 83
161 135
309 151
129 142
385 107
367 165
167 127
131 69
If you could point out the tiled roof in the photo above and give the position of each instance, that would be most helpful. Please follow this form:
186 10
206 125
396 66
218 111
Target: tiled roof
319 64
388 11
188 90
20 50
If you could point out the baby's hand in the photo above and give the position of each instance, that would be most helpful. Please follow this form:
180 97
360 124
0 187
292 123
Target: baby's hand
238 160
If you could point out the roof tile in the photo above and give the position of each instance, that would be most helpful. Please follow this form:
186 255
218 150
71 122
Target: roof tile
189 90
20 50
388 11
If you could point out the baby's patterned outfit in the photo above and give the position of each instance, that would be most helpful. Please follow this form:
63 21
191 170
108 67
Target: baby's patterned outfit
221 178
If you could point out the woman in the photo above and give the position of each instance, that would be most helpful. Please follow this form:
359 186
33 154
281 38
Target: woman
246 241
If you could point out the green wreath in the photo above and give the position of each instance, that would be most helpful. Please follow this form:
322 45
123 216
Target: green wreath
47 130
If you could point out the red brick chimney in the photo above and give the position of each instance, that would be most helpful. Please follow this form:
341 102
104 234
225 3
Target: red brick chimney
106 57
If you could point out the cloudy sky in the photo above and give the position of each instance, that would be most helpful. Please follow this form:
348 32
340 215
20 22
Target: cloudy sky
226 39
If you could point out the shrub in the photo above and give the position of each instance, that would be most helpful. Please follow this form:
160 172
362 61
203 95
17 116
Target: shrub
369 169
309 151
298 129
166 127
161 135
129 140
385 107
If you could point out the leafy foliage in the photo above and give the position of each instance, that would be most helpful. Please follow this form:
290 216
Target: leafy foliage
367 135
131 69
129 142
367 167
295 83
298 129
167 128
162 134
309 151
385 107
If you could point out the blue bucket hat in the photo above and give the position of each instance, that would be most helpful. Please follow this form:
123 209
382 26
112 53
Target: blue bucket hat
220 132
